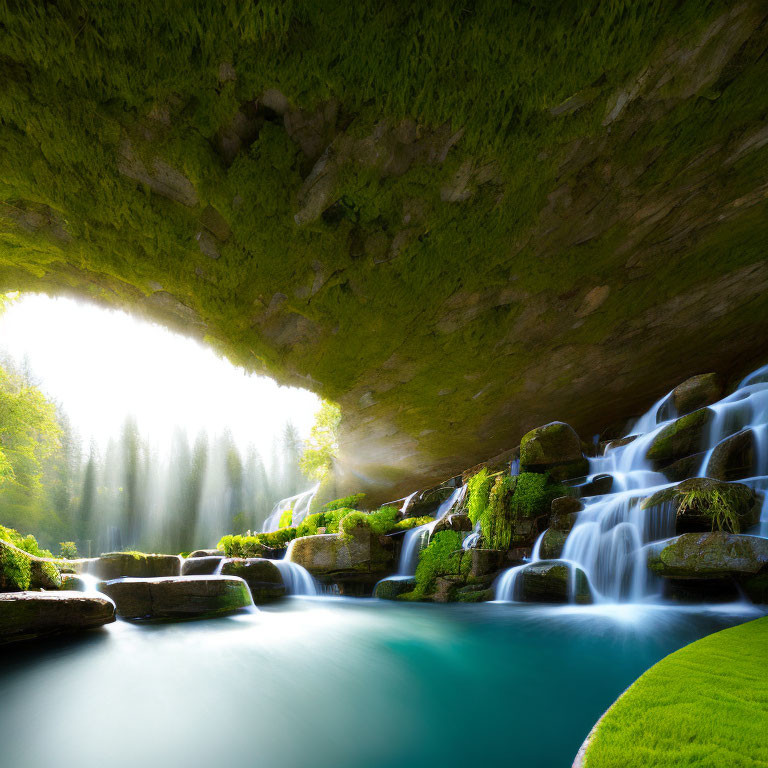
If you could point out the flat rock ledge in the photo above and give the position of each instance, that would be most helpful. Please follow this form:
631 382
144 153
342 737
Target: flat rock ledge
175 598
33 615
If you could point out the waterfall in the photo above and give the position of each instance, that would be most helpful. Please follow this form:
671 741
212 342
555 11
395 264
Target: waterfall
299 503
297 579
417 538
610 538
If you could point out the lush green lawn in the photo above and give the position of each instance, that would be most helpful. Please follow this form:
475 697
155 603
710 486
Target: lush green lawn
705 705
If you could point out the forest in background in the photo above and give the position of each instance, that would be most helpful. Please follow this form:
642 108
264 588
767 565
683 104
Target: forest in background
130 493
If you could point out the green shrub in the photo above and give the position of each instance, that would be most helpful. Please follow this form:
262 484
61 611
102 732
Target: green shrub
380 522
443 556
412 522
286 518
254 546
348 502
27 543
329 520
68 550
534 493
15 569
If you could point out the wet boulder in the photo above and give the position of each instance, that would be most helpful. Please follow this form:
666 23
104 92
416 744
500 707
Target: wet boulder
180 597
554 448
697 392
426 503
117 565
71 582
734 457
262 577
704 504
456 522
683 437
683 468
31 615
486 562
393 587
597 486
207 553
552 544
564 513
553 581
709 556
201 566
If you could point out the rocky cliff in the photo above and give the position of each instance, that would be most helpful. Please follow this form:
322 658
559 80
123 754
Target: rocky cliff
458 221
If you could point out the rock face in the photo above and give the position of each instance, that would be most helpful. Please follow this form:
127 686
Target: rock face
683 437
325 199
117 565
550 581
456 522
552 544
183 597
710 556
362 557
703 504
554 448
262 577
391 589
697 392
30 615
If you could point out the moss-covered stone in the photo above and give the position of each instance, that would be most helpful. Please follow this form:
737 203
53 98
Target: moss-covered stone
704 504
262 577
697 392
116 565
734 457
21 571
683 437
173 598
709 555
552 544
553 581
554 448
391 589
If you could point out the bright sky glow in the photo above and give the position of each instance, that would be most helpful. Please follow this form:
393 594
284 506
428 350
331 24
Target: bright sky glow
102 366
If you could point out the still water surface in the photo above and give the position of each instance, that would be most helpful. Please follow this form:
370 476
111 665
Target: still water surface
333 683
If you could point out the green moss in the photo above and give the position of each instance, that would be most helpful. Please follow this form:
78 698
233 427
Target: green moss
478 491
286 519
255 546
15 569
69 106
442 557
497 518
412 522
680 438
354 501
703 705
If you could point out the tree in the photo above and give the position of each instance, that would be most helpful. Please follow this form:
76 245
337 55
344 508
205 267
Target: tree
322 448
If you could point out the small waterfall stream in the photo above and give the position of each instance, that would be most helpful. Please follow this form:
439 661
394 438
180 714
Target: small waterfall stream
299 504
611 533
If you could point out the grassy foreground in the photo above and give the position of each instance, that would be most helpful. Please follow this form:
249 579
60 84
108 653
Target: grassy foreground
705 705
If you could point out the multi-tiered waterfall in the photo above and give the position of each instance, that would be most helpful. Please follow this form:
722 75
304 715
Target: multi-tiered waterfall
611 533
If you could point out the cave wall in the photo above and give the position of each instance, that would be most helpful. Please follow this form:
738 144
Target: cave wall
459 221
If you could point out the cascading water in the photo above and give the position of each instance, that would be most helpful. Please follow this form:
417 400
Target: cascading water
297 579
612 532
418 538
299 503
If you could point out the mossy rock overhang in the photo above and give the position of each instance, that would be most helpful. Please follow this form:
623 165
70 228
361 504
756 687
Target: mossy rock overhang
457 223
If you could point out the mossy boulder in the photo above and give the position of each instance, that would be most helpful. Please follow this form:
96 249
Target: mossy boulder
360 555
262 577
31 615
20 571
116 565
392 588
554 448
207 553
553 581
709 556
426 503
734 457
552 544
697 392
564 512
683 437
704 504
487 562
71 582
205 565
180 597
